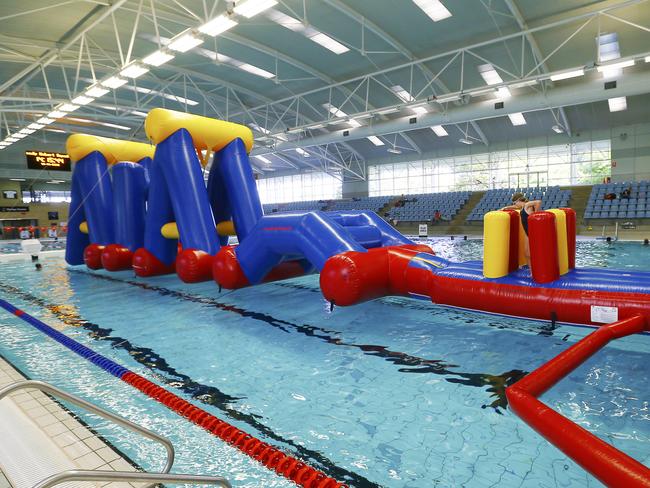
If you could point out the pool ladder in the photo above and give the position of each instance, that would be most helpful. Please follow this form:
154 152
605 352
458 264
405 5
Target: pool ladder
99 475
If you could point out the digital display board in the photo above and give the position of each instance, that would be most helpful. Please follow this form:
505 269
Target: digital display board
48 160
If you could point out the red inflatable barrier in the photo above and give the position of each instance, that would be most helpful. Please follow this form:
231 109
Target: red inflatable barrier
354 277
116 258
611 466
146 264
194 266
227 271
271 457
93 256
543 247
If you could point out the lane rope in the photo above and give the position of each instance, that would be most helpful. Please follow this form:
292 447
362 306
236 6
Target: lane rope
271 457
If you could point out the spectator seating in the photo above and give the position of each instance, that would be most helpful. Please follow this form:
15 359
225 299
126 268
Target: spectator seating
552 197
293 206
421 207
637 206
362 203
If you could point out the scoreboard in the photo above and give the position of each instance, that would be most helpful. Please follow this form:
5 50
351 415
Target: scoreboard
48 160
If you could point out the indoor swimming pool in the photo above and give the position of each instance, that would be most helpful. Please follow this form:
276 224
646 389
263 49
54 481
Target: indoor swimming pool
390 393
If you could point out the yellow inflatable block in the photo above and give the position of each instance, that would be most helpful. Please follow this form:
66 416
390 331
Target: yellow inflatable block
169 230
83 227
562 240
79 146
496 244
226 228
207 133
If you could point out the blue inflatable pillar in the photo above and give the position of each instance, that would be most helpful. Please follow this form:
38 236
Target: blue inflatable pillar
129 189
218 195
91 176
76 240
236 173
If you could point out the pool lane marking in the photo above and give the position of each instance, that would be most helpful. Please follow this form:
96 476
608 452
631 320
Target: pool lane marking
271 457
495 383
152 360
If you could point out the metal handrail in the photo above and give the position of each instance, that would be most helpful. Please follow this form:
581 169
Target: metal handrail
153 478
80 402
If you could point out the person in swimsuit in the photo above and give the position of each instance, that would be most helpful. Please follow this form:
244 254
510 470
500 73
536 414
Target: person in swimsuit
525 207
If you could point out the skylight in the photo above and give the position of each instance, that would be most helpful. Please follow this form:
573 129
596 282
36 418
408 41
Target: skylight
608 50
308 31
434 9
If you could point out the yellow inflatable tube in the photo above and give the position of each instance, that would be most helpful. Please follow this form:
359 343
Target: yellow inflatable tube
79 146
562 240
170 229
496 244
206 133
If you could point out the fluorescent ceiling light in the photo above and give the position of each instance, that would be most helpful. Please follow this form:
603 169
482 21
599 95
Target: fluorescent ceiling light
168 96
489 74
158 58
615 66
617 104
402 93
45 121
316 126
138 113
503 92
56 114
261 129
17 179
255 70
250 8
96 91
302 152
419 110
568 74
184 42
217 25
18 135
439 130
134 70
263 159
523 84
465 140
56 130
335 111
55 182
394 150
558 129
647 59
447 98
68 107
434 9
308 31
354 123
26 130
375 140
517 118
82 100
114 82
114 126
35 126
12 139
387 111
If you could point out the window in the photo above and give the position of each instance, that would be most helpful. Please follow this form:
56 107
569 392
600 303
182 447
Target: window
565 164
300 187
42 196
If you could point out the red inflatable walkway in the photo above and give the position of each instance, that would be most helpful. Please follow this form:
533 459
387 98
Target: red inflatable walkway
605 462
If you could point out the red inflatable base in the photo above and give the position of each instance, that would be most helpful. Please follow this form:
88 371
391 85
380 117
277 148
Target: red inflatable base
93 256
227 272
354 277
116 258
146 264
194 266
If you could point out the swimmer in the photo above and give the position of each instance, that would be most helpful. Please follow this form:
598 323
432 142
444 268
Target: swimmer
520 202
38 266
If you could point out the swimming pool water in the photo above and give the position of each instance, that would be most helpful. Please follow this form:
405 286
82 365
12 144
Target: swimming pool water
12 247
395 392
